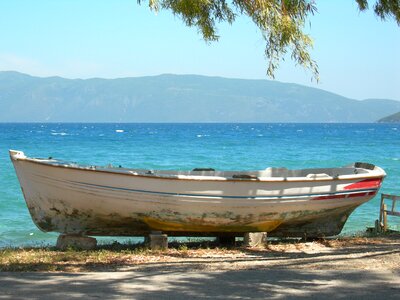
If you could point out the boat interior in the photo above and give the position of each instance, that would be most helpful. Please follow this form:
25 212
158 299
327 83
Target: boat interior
271 172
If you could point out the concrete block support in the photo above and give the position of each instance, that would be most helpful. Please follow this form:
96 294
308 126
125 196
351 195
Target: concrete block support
80 242
157 241
254 239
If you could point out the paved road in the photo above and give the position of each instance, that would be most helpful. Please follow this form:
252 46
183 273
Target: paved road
241 284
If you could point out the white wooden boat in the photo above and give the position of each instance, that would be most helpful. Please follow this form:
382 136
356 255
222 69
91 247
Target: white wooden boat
92 200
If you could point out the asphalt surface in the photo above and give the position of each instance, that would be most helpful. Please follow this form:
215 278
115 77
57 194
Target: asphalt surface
239 284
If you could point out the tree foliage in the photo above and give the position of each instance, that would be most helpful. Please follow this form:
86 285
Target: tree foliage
280 21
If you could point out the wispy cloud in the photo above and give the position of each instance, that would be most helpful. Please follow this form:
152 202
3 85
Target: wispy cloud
13 62
66 68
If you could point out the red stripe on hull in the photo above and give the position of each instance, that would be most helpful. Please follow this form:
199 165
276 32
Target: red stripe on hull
365 184
330 197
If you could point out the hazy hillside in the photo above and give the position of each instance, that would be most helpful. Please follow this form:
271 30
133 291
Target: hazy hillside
395 118
177 98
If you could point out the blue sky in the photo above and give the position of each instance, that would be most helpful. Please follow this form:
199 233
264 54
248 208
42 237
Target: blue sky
358 54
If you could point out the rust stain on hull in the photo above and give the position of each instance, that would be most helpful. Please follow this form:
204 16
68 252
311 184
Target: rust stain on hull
329 223
198 227
302 223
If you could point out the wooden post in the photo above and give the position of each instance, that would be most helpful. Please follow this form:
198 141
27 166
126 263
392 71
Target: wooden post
385 224
381 210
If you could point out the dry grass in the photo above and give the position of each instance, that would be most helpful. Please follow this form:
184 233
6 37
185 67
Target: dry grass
377 251
105 257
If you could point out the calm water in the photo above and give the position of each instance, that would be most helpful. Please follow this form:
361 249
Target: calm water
186 146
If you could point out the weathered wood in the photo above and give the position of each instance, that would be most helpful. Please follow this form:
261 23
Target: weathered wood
381 209
393 213
391 197
385 224
133 202
384 211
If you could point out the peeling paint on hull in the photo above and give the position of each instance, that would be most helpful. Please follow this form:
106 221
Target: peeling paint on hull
75 201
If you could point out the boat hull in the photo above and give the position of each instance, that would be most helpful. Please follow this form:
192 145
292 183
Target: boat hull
90 202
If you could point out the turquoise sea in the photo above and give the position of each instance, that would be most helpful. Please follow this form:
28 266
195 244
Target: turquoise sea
186 146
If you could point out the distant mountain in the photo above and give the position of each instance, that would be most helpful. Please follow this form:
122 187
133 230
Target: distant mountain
177 98
395 118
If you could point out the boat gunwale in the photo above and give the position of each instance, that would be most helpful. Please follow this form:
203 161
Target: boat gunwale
206 178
